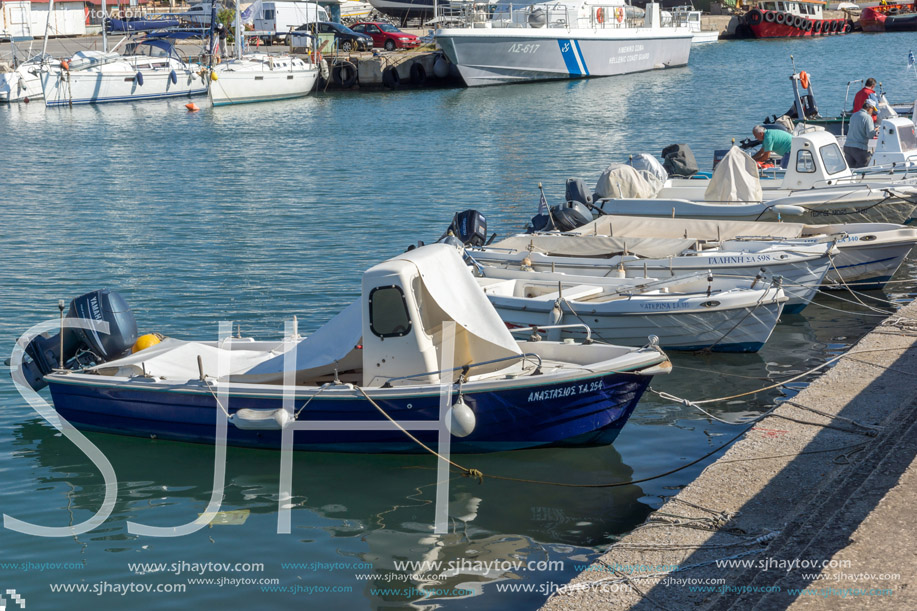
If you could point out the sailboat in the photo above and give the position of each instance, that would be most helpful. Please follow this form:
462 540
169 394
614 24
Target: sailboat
150 68
260 77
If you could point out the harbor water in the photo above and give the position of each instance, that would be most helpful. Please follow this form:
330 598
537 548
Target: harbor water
257 213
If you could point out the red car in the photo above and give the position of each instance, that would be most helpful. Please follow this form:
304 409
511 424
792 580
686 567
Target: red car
386 35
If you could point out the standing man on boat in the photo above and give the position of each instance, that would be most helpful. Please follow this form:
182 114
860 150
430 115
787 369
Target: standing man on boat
862 130
864 93
772 141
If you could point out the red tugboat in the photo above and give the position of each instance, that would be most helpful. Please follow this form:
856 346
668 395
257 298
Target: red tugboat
889 18
775 19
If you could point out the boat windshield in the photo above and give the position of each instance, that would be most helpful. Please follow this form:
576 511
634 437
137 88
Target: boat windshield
908 138
151 48
833 159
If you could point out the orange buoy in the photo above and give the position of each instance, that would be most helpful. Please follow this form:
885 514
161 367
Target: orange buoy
804 79
192 107
65 64
619 14
600 15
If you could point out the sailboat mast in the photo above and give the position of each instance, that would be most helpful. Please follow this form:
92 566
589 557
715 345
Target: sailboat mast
104 24
238 31
44 45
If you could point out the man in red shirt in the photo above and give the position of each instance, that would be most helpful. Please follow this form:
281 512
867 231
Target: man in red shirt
864 93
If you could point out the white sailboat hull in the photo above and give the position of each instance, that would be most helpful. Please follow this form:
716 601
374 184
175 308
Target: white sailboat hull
257 79
20 84
118 82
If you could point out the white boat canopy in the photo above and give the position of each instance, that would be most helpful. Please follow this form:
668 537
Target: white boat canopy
735 179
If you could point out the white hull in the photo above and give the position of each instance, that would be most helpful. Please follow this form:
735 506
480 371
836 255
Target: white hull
735 320
802 273
261 78
20 84
493 56
118 82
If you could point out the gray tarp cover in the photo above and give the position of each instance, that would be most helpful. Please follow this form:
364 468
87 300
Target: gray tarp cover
735 179
595 246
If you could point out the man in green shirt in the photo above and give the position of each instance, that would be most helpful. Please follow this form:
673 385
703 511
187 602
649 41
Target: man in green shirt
772 141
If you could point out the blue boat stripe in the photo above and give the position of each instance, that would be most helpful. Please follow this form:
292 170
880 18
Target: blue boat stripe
866 263
582 58
568 51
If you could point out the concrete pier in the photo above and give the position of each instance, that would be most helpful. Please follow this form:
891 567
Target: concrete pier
813 508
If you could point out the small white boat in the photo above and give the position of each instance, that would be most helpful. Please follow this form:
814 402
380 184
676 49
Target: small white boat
22 83
818 186
260 77
865 255
688 16
150 69
802 267
697 312
562 39
422 345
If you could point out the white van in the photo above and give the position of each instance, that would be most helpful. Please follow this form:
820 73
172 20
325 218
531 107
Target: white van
286 16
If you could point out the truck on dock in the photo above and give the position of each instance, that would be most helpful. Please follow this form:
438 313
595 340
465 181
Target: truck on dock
283 17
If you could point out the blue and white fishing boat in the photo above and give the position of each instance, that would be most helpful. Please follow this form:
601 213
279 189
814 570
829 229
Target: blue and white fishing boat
560 40
421 350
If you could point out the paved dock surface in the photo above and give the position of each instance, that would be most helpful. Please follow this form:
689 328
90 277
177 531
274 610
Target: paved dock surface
813 508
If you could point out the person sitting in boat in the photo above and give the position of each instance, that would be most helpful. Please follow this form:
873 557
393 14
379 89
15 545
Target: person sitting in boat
772 141
864 93
862 130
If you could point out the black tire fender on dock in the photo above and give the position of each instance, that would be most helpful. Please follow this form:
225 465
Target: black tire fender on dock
834 26
809 26
770 16
754 17
780 18
418 74
798 22
816 29
344 75
390 78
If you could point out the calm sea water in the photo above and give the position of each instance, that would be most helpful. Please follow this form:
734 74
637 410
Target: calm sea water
258 213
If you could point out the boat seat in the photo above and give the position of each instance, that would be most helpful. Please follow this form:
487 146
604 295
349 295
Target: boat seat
571 292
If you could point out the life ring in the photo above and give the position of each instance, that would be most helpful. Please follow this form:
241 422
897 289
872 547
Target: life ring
754 17
418 74
619 14
770 16
780 18
804 79
600 15
344 75
391 78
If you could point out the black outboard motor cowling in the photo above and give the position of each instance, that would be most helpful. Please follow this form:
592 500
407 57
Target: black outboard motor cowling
576 191
571 215
84 347
470 227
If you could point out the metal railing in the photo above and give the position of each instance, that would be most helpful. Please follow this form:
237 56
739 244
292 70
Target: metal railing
484 15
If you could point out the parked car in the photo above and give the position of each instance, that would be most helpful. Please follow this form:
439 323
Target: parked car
346 39
386 35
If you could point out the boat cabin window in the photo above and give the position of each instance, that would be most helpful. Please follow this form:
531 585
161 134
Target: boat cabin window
833 159
908 138
805 162
388 312
770 6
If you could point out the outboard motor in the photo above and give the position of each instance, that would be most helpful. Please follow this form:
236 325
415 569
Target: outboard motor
571 215
83 347
576 191
470 227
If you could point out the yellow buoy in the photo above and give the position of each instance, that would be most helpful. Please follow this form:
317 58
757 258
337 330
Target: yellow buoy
145 341
213 76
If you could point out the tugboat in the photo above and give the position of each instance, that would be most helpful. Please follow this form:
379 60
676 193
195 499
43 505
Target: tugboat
889 18
772 19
